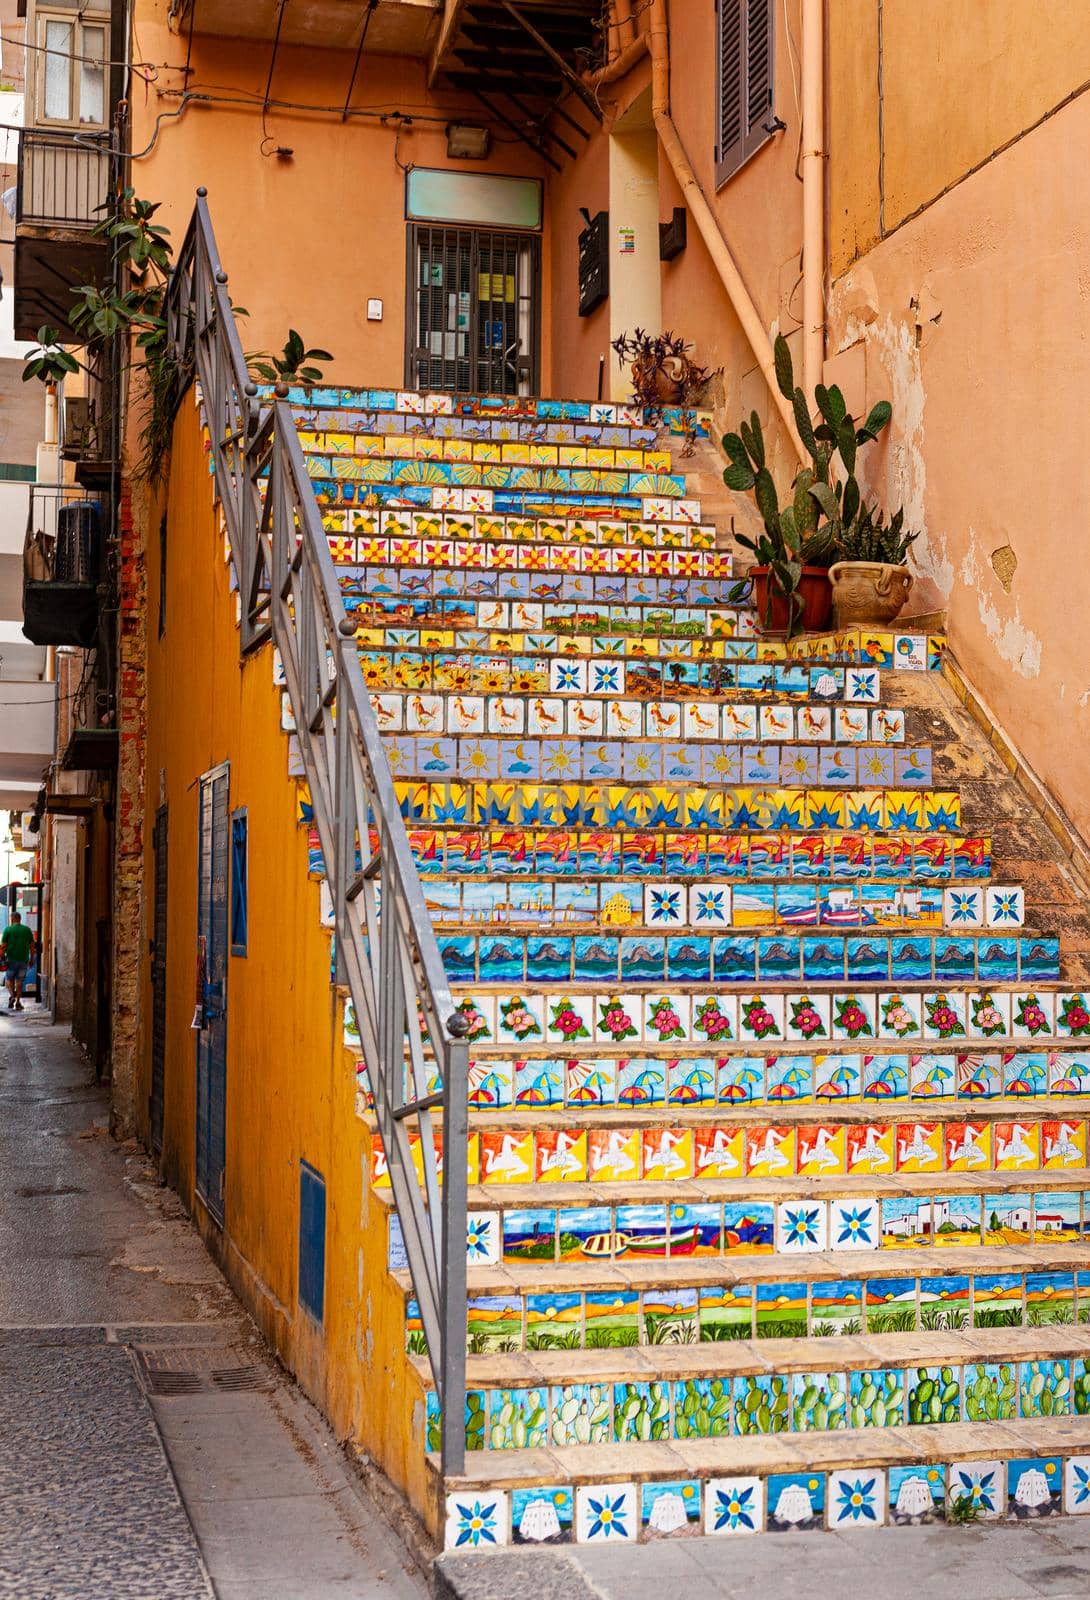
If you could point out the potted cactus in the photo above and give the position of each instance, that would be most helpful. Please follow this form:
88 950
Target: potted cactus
870 580
791 581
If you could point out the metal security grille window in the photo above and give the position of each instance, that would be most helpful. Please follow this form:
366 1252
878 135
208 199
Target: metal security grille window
744 82
473 311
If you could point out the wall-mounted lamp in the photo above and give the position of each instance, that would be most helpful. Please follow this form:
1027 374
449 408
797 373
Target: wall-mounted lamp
467 142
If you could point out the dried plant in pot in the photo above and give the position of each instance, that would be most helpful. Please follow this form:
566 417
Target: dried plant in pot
664 377
871 580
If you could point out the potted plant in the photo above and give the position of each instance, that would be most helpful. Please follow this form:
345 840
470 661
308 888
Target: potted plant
664 377
870 580
791 579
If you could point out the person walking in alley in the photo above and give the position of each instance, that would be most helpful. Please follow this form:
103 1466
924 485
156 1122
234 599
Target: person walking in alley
17 942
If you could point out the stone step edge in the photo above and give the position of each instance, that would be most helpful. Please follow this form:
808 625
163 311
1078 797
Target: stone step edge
531 1277
716 1191
650 1363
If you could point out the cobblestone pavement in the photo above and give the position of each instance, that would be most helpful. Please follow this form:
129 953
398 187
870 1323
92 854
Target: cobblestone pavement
149 1446
86 1494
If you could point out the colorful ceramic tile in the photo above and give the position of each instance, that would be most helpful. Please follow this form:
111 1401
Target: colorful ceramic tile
606 1513
795 1500
736 1505
917 1494
542 1515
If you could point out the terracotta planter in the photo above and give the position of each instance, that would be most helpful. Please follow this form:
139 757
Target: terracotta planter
868 591
817 600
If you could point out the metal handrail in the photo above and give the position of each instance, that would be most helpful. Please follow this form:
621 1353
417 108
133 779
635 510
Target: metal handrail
386 951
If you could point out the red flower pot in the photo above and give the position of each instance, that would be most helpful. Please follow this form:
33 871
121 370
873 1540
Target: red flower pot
817 600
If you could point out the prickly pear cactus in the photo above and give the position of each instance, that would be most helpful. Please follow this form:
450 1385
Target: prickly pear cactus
1045 1388
991 1393
877 1399
760 1405
702 1408
934 1395
820 1401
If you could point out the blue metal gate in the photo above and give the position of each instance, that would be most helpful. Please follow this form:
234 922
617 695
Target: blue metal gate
212 947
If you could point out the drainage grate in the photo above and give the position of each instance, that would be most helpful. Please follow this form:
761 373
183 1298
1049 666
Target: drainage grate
175 1379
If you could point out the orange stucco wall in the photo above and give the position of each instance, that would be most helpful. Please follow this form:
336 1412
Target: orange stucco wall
960 260
290 1083
307 241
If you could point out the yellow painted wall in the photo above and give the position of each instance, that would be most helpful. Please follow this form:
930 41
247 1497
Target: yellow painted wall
290 1085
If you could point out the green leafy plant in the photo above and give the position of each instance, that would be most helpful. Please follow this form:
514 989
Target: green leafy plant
50 362
870 538
961 1510
291 365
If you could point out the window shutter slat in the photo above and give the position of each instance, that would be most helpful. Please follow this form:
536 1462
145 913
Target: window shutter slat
746 81
731 83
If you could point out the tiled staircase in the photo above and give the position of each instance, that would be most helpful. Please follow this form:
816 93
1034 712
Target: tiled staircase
779 1142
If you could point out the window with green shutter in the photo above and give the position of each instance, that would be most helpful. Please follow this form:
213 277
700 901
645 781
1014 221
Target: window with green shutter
744 82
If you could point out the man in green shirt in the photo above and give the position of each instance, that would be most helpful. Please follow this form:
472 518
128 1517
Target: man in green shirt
17 941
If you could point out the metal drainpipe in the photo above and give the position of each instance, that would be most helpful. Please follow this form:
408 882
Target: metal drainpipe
813 194
705 219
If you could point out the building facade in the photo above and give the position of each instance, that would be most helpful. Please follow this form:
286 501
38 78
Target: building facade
467 199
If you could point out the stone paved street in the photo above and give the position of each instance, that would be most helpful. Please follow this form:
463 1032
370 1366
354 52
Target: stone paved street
149 1446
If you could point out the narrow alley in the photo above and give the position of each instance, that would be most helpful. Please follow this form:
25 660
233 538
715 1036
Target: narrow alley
150 1449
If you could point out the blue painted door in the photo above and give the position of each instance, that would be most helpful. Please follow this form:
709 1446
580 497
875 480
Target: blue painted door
212 948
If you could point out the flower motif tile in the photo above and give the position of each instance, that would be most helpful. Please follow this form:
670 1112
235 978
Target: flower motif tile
607 1513
980 1484
477 1520
854 1225
736 1505
801 1226
857 1498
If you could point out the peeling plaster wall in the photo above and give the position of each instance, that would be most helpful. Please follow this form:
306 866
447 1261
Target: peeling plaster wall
974 319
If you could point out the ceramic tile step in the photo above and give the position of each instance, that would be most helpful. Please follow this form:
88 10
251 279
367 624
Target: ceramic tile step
660 1392
745 714
787 1076
557 1147
517 747
759 906
902 1476
606 1247
589 705
597 599
694 955
863 1014
644 1299
916 862
571 601
488 407
496 555
679 804
421 446
386 424
460 529
347 479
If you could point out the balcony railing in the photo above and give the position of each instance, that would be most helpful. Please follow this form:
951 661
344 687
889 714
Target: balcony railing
61 182
62 566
